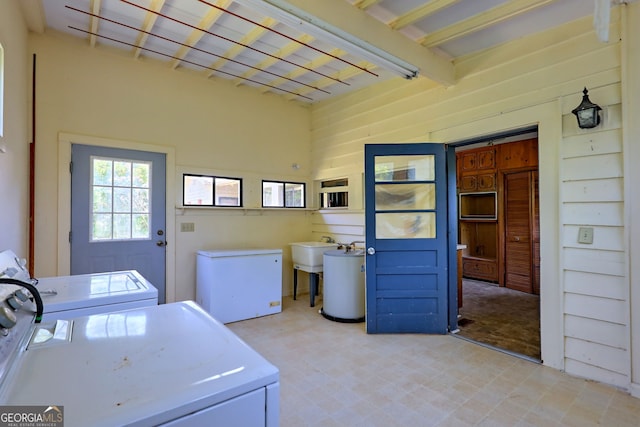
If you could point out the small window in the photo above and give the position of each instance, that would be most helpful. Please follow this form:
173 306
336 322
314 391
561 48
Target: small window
277 194
206 190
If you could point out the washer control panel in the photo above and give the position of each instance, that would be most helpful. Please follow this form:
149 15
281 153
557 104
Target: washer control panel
12 267
16 320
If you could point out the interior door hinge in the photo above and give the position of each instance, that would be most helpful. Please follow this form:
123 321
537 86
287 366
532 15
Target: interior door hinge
70 167
70 237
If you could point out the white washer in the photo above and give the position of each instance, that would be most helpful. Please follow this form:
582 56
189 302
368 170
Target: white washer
66 297
169 365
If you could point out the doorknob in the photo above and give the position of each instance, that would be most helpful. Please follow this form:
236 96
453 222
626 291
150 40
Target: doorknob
161 243
371 251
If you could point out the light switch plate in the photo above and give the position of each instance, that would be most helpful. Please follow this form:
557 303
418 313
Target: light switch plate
585 235
187 227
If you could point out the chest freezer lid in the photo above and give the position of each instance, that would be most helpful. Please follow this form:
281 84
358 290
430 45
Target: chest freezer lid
90 290
222 253
147 366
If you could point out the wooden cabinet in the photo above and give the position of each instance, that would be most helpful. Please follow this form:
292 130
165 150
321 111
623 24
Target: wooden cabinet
504 247
478 159
477 182
522 235
479 268
521 154
477 174
480 260
477 170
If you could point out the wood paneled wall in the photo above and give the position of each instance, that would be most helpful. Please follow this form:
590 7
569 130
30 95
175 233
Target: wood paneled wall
536 80
596 288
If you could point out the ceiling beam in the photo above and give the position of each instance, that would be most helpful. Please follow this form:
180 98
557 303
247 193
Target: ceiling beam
287 50
93 21
314 64
420 12
481 21
33 14
346 18
147 25
205 23
247 40
364 4
324 82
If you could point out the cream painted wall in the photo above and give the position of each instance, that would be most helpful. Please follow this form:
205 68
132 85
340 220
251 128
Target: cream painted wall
533 81
15 139
103 96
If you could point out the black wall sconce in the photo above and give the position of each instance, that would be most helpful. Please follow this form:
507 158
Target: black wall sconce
587 112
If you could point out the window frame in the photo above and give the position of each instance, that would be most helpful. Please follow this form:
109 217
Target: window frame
112 210
284 192
213 189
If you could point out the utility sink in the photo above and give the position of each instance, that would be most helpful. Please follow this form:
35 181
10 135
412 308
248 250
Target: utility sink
307 256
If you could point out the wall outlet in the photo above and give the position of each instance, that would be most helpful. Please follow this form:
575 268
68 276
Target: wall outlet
187 227
585 235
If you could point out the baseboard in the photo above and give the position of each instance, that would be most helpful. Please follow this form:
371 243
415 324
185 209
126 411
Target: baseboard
634 389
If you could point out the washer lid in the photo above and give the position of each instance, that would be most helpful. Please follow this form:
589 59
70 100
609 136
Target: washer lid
89 290
143 366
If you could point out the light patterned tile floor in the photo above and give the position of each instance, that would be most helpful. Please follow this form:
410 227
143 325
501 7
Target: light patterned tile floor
334 374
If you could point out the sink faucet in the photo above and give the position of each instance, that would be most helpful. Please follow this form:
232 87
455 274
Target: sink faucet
329 239
352 246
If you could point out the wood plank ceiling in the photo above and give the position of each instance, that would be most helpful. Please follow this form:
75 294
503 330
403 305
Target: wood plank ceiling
292 49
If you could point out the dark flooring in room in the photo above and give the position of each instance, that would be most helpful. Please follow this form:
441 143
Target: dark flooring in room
500 317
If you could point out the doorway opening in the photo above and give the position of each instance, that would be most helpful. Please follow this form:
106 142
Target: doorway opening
498 230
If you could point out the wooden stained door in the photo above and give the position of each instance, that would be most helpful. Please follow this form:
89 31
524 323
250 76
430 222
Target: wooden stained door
522 235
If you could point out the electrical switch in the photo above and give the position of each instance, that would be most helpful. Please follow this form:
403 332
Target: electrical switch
585 235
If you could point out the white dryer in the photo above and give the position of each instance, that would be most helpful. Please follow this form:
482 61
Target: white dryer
169 365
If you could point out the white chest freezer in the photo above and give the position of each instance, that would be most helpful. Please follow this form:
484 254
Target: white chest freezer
239 284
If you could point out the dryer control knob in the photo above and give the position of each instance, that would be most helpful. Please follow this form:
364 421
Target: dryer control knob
7 318
14 302
21 295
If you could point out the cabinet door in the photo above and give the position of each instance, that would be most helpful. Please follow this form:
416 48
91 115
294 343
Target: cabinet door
487 158
486 181
468 183
469 162
480 269
519 228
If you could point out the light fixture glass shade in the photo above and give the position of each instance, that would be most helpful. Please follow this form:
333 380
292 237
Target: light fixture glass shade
587 112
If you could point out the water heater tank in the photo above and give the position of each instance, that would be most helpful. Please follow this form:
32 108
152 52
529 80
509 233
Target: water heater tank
343 294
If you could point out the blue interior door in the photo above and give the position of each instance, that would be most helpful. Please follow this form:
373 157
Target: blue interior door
118 212
407 274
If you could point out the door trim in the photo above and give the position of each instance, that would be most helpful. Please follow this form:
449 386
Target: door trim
548 117
64 200
452 232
